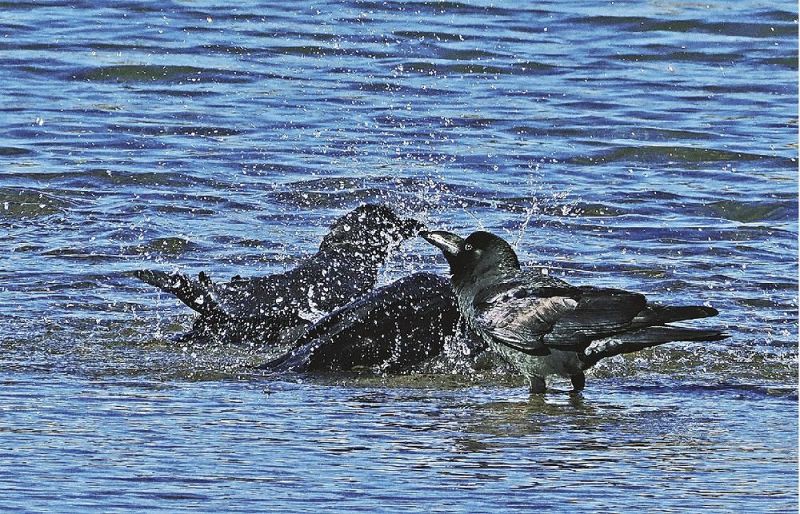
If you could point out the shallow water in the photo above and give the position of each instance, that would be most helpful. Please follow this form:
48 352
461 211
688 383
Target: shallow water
649 146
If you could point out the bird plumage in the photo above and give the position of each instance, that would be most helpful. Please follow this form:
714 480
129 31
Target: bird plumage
392 328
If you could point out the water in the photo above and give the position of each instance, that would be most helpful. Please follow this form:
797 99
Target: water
643 145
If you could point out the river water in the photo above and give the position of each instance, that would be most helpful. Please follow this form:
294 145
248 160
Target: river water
648 145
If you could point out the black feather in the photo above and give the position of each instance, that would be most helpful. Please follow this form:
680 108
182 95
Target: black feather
194 294
636 340
656 314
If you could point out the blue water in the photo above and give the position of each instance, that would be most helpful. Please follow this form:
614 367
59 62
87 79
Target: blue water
644 145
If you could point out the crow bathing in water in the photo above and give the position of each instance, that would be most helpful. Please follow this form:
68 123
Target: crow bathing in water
275 308
393 329
543 325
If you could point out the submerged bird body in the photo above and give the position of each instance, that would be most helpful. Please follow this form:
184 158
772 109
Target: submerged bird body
276 308
545 326
392 328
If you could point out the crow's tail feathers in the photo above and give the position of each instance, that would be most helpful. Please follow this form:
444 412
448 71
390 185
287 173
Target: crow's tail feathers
644 338
194 293
655 314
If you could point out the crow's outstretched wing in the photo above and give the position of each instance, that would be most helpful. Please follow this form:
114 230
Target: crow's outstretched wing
195 293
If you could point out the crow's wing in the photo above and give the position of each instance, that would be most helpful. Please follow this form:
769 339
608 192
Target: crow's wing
267 298
197 294
535 319
270 296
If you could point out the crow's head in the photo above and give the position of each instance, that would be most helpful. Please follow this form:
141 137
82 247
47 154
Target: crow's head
370 229
480 254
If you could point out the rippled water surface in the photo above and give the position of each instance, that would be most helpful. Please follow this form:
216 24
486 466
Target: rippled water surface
644 145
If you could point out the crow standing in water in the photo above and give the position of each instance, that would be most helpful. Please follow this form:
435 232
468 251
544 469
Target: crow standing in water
543 325
276 308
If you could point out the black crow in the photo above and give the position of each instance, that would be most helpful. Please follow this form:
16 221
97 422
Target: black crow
544 326
275 309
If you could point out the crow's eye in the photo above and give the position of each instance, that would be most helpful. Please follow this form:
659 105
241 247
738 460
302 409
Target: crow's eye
468 247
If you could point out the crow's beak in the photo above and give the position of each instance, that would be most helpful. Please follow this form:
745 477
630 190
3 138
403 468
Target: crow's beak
447 242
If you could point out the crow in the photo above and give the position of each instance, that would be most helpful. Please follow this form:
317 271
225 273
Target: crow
544 326
275 309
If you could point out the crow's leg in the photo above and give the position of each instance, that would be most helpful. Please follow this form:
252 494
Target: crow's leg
537 385
578 382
